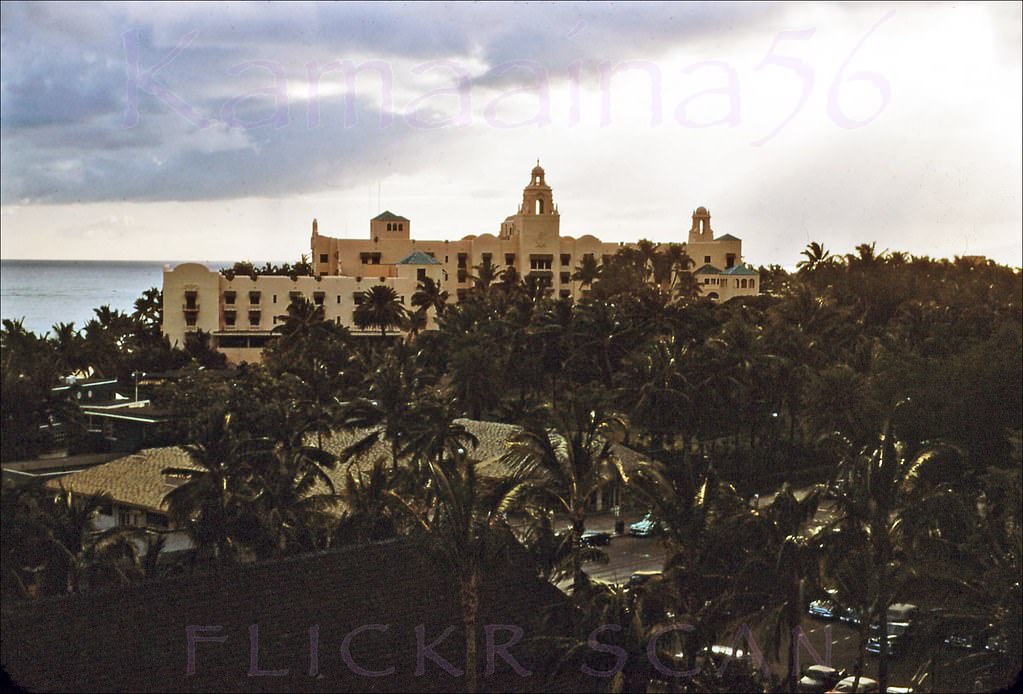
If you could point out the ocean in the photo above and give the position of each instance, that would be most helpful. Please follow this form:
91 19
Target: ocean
45 292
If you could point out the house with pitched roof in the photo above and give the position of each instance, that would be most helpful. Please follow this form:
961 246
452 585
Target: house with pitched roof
135 485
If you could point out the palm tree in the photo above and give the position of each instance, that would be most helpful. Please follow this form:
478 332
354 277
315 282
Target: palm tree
657 393
429 294
301 320
568 456
148 312
393 389
587 272
292 496
371 504
701 517
788 559
486 275
877 505
67 344
379 307
206 504
816 256
466 534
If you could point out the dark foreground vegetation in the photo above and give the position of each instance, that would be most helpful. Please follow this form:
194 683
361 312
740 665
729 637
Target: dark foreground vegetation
889 384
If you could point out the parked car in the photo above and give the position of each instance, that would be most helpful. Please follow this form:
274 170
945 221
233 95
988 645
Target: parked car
902 612
896 637
818 679
865 685
825 608
640 577
646 527
596 538
850 615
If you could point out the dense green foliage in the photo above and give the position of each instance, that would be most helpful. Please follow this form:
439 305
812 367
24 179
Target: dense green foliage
893 382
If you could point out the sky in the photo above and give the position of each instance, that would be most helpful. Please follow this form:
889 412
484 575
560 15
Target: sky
210 131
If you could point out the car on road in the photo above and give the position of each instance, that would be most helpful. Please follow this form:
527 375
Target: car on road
646 527
826 607
865 685
850 615
896 638
639 578
818 679
596 538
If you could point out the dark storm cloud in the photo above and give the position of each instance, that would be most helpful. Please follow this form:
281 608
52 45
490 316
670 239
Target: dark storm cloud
66 89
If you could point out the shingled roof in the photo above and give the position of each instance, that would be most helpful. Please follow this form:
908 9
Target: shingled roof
135 639
138 479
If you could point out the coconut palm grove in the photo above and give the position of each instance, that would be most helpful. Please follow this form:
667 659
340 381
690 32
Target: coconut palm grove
847 444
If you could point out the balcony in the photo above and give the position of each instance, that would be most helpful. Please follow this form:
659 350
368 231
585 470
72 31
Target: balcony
190 308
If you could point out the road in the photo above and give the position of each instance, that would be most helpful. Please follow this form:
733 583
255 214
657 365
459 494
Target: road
628 554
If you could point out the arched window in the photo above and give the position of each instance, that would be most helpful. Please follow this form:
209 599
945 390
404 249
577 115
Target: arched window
539 205
743 284
388 226
401 226
751 284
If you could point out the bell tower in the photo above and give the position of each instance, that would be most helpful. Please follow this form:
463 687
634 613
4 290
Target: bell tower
701 231
537 198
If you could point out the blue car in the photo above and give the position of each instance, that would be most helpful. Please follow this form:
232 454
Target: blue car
645 527
823 609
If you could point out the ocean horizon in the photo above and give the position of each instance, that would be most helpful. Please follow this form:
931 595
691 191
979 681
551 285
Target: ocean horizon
43 293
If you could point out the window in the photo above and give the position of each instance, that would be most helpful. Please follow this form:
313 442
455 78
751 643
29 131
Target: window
401 226
254 298
742 284
229 318
565 278
388 226
369 258
357 298
566 260
509 259
339 298
565 293
462 275
752 284
191 300
292 296
254 317
421 274
461 293
275 298
462 258
318 298
125 517
190 317
323 257
488 258
540 262
706 280
730 260
229 298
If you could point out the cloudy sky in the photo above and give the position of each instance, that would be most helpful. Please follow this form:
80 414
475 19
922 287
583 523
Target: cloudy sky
219 131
